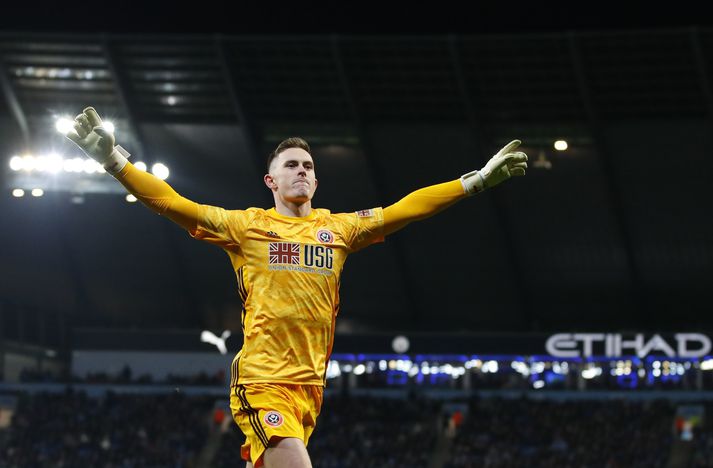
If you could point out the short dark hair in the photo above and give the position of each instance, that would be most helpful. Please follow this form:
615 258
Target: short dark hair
292 142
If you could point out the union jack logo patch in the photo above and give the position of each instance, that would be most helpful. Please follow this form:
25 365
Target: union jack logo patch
285 253
365 213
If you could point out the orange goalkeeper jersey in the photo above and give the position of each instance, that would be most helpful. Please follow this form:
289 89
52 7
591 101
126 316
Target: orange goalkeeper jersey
288 272
288 269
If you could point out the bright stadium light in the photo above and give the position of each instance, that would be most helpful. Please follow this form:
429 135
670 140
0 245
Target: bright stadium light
53 163
404 365
108 126
40 164
591 372
160 171
16 163
89 166
140 165
64 125
18 192
333 370
400 344
538 384
73 165
359 369
130 198
28 163
561 145
37 192
520 367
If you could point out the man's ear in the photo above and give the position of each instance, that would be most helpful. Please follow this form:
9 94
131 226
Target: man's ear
270 182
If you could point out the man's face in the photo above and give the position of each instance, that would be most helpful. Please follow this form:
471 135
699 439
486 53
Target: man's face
292 176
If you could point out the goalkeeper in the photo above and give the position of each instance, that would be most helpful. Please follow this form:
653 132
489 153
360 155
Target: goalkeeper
288 260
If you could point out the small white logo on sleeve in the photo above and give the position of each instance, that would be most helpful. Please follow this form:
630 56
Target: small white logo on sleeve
365 213
273 418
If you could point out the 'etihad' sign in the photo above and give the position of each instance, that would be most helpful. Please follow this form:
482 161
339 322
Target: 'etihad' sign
685 345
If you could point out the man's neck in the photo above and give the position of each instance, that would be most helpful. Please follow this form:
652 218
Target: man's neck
295 210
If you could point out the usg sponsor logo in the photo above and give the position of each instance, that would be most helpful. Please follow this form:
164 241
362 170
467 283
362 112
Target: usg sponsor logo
308 255
319 256
688 345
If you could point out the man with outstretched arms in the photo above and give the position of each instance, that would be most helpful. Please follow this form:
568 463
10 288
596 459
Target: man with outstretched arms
288 260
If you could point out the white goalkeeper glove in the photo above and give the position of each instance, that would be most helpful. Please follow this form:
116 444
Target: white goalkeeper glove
506 163
97 142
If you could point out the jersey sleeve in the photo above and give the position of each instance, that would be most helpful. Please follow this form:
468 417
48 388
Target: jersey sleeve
221 227
422 204
363 228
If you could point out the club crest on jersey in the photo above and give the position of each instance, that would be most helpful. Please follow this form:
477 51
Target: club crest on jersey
365 213
273 418
272 234
325 236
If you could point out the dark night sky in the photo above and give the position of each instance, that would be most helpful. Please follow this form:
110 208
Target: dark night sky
339 16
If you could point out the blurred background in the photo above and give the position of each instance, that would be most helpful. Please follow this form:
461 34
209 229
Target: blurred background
543 323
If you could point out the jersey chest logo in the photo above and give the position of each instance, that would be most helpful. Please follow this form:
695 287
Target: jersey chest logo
325 236
285 253
304 255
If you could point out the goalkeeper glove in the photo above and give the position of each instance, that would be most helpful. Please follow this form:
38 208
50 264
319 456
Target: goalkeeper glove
506 163
97 142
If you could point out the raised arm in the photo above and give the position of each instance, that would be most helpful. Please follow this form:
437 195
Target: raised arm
153 192
428 201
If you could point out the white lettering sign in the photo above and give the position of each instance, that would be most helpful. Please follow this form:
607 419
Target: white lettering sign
567 345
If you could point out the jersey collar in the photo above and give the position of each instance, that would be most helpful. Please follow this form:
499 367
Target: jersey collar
273 213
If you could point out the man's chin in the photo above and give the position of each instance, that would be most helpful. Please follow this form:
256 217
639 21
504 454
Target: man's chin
300 198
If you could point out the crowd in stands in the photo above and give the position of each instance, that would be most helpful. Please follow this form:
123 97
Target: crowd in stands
500 433
702 456
125 376
169 430
71 430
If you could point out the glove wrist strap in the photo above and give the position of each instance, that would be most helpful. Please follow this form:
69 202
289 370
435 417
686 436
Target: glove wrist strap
117 160
473 182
